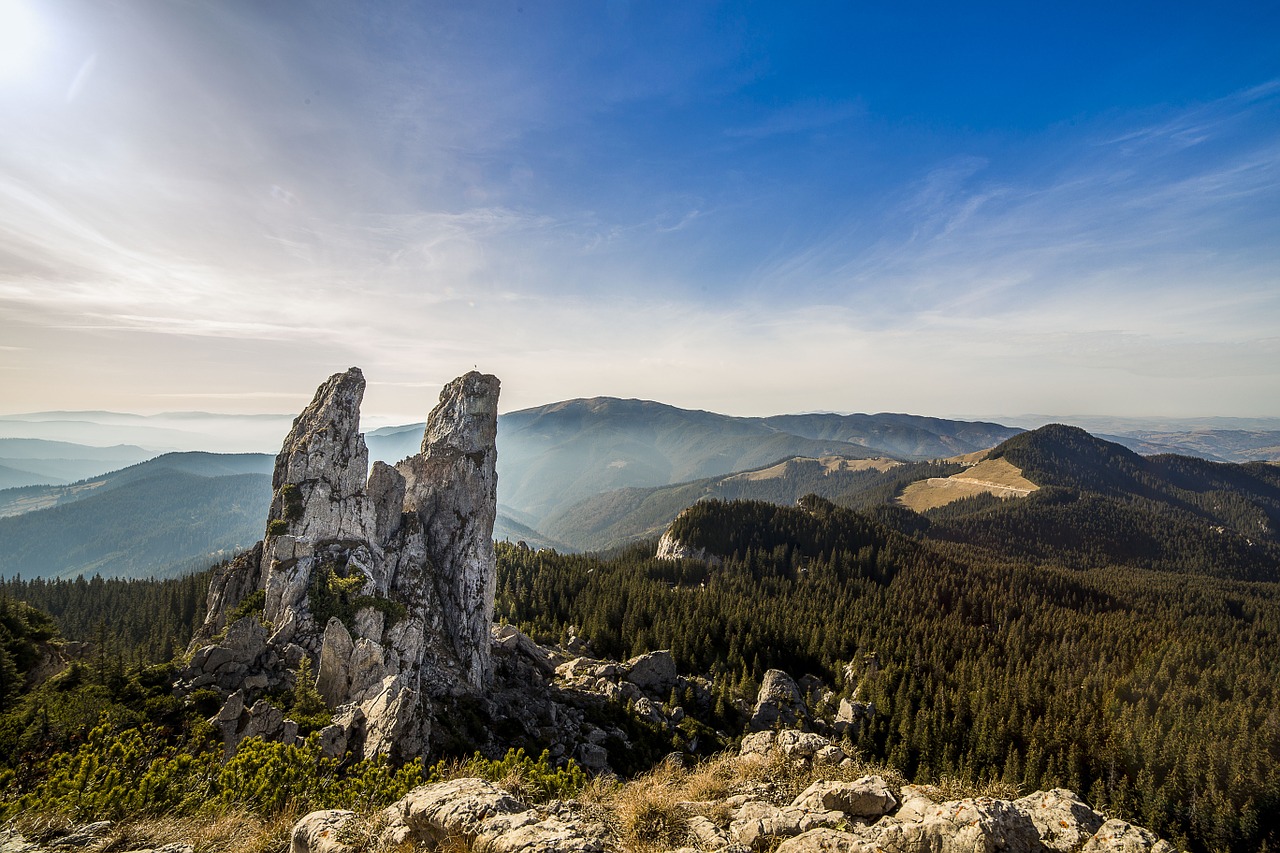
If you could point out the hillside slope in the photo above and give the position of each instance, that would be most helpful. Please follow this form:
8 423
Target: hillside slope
33 461
552 457
30 498
1101 504
166 523
625 515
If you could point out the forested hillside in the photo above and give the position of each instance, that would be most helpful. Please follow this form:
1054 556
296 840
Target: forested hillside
1103 505
622 516
168 524
33 461
1154 693
139 620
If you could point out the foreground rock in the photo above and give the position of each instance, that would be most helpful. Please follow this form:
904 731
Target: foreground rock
472 811
859 816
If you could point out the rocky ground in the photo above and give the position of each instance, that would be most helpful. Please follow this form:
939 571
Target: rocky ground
789 792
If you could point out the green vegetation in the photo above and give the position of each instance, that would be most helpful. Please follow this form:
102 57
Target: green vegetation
252 604
335 593
138 621
291 499
1151 692
536 781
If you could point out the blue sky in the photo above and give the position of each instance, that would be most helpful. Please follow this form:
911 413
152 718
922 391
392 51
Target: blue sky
751 208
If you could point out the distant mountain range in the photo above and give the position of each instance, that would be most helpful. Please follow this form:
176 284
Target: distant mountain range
172 431
33 461
581 474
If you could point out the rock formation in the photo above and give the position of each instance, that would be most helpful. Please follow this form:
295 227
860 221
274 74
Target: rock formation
839 811
671 548
383 580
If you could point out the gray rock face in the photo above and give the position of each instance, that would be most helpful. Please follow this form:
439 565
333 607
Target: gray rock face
654 673
325 457
452 485
229 585
778 702
319 490
671 548
386 582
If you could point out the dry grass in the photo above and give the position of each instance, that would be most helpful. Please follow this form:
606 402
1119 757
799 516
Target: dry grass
226 832
950 788
996 477
646 811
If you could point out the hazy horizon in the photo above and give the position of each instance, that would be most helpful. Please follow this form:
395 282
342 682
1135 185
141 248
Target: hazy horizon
749 210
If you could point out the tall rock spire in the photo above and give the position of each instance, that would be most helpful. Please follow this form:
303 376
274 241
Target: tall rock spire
385 580
452 487
319 489
324 457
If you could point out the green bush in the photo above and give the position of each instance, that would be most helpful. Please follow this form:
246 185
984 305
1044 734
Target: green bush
112 775
291 502
332 593
538 781
265 778
252 604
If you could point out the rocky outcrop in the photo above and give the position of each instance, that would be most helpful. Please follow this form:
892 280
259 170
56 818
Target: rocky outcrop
862 815
474 812
779 703
1046 821
383 580
671 548
452 487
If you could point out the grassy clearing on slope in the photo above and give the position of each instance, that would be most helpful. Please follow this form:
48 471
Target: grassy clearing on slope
996 477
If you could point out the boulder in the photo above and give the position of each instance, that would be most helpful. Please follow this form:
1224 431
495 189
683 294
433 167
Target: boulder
654 673
868 797
1063 820
319 831
778 703
1118 836
825 840
792 744
759 825
335 660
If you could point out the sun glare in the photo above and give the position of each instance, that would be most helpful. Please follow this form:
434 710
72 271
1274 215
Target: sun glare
19 38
